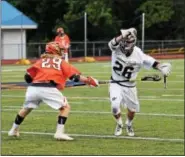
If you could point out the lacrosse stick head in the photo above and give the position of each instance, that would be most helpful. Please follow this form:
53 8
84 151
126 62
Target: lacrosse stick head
153 77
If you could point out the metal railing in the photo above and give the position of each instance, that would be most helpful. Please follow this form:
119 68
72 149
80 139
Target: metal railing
95 48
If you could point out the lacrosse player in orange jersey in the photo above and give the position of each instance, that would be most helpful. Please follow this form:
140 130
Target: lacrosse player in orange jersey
64 42
45 78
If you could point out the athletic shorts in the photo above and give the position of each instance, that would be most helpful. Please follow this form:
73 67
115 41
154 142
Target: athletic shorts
121 95
49 95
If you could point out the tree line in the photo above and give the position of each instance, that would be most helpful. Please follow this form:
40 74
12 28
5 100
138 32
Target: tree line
164 19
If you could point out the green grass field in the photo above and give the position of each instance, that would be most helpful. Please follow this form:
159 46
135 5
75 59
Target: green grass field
159 127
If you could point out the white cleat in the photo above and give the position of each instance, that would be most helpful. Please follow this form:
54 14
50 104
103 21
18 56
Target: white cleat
62 136
14 132
118 130
130 130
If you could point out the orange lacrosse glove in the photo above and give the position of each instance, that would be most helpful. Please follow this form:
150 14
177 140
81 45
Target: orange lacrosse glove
92 81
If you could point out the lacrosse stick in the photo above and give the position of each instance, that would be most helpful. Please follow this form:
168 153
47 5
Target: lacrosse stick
165 84
154 77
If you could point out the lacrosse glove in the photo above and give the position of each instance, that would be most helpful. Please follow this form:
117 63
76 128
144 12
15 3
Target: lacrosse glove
164 68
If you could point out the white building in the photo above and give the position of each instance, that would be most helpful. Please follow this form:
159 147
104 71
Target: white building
13 32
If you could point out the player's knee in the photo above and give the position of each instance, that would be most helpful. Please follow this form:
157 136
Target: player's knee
115 110
67 107
25 111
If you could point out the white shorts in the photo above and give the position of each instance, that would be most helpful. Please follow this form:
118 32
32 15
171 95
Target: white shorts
120 95
51 96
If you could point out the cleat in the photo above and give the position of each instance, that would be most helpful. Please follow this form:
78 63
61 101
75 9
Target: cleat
129 130
118 130
62 136
14 132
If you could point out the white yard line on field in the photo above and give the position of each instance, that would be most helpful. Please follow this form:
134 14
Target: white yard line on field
92 72
161 89
108 136
12 70
166 95
179 75
97 76
100 98
94 112
109 66
14 76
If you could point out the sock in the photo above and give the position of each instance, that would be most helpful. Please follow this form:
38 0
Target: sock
60 128
18 119
62 120
119 121
15 126
128 122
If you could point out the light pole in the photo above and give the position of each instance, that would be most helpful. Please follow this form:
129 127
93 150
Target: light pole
85 34
143 31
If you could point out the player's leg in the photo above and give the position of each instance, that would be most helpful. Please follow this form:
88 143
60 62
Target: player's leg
129 126
31 101
54 98
62 118
132 103
115 99
14 131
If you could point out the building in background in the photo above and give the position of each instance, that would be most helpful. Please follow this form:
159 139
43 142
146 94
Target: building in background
13 32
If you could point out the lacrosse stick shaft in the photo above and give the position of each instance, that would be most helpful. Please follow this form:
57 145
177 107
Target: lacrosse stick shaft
112 81
148 78
165 82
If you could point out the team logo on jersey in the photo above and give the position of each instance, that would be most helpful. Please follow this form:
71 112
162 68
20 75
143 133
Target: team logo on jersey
114 98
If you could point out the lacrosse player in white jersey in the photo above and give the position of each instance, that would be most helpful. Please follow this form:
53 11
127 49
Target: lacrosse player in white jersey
127 60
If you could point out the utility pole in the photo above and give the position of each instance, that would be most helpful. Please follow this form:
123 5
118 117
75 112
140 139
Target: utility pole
85 34
143 31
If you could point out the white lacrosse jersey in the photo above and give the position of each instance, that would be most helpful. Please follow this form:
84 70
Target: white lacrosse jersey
127 68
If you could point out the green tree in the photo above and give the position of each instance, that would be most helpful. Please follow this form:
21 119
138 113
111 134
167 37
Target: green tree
44 12
105 18
99 15
157 11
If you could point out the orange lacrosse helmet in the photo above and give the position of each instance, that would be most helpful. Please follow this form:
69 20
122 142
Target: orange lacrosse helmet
53 48
60 30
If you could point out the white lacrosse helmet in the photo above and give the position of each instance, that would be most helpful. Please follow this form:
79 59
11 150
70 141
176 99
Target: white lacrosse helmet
127 44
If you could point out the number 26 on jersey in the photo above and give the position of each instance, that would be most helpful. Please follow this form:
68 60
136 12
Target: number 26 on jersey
123 71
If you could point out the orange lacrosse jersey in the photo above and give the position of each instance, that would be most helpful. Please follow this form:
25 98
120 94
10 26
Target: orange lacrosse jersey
64 42
56 69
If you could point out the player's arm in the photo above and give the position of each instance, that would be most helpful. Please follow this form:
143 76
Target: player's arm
87 80
114 43
30 73
67 41
28 78
164 68
57 38
74 74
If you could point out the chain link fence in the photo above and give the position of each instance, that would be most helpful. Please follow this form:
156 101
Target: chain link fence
96 48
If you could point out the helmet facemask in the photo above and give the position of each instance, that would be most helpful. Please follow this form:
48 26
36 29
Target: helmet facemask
127 45
60 31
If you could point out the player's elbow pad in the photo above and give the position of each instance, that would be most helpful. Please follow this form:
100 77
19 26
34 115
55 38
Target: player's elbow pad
155 65
28 78
75 78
